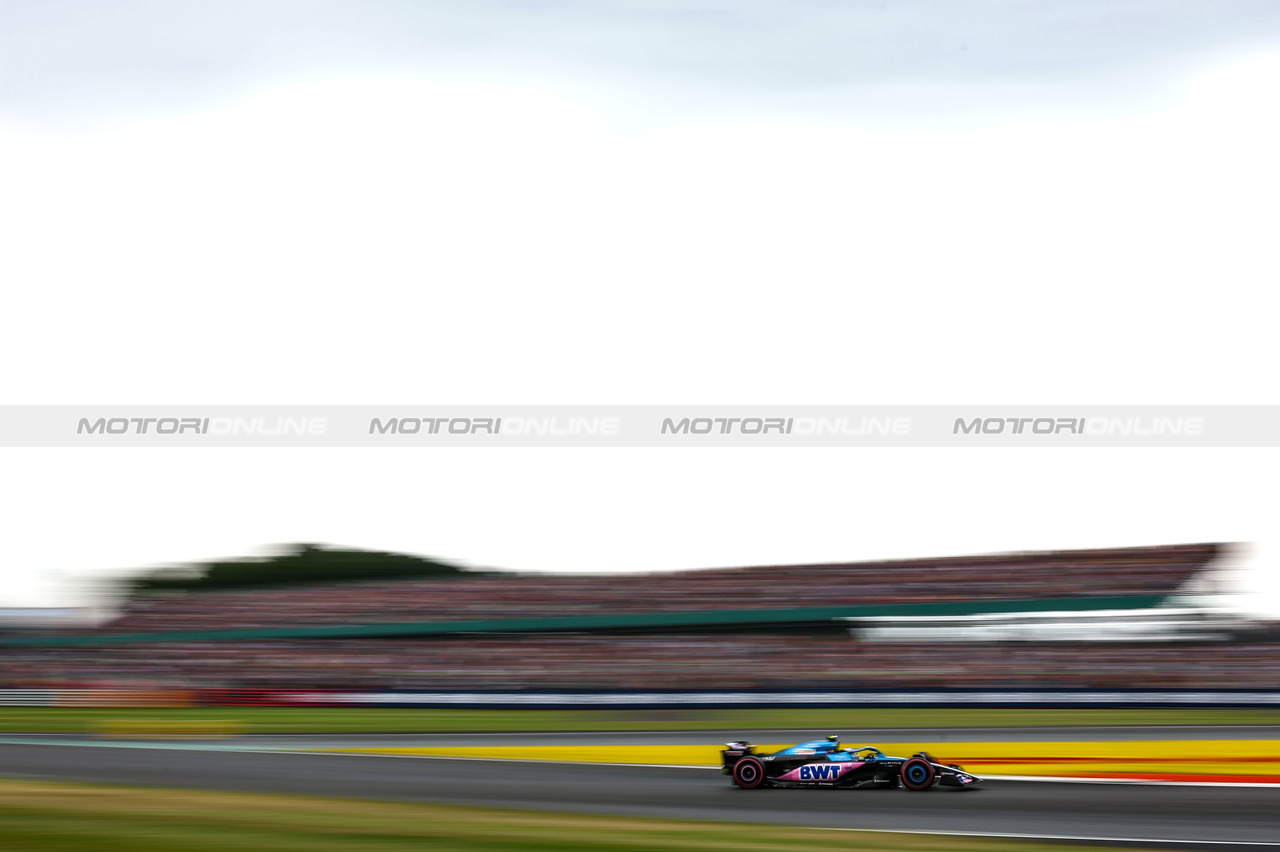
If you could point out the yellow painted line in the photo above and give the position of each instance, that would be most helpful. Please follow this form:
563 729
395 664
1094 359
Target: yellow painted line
1180 757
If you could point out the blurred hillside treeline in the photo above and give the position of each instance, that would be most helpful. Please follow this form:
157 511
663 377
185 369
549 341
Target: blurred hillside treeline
301 564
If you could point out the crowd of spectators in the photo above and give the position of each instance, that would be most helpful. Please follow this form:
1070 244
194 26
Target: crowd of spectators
1092 573
830 660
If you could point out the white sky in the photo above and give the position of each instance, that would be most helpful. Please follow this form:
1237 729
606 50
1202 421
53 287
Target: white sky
633 203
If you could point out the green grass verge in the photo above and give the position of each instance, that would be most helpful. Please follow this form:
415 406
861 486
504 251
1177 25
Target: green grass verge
265 720
64 817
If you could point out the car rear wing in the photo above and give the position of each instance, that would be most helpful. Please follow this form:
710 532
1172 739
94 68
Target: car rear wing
732 753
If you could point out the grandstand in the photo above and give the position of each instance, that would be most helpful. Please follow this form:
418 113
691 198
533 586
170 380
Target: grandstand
1140 573
781 627
774 661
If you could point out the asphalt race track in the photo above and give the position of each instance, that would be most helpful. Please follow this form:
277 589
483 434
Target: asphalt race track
1187 817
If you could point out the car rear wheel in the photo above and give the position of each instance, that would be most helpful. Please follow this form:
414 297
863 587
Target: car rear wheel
748 773
917 774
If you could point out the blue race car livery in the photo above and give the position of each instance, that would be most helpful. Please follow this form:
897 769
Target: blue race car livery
824 763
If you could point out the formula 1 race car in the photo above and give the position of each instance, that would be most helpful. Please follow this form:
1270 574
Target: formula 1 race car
823 763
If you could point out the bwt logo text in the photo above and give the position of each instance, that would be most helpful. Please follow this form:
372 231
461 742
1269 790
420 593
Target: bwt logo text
204 426
820 772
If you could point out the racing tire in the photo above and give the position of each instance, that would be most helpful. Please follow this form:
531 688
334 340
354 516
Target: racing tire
917 774
748 773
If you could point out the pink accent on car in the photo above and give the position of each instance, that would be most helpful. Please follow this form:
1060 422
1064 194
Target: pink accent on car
820 771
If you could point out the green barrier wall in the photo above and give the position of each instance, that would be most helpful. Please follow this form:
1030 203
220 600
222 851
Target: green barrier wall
632 621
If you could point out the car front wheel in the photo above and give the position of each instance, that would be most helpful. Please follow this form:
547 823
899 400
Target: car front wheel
917 774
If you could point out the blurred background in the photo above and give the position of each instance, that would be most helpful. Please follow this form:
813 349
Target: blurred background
312 619
630 202
703 203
